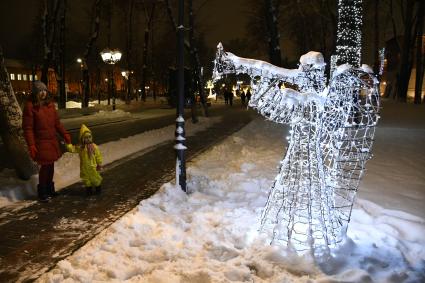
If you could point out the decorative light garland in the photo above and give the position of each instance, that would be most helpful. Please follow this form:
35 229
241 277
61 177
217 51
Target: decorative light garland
331 136
349 34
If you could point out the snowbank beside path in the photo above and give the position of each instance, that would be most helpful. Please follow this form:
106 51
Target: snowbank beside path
211 235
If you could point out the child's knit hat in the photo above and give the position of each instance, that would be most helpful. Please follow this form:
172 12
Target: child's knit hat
83 130
38 86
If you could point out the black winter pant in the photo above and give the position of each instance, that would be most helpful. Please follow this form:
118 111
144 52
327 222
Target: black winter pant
45 176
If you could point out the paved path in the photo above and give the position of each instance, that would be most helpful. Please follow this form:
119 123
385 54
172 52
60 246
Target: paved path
35 238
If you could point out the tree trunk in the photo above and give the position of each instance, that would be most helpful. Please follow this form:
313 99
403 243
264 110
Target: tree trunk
93 37
419 52
144 63
61 70
109 37
129 49
49 24
149 22
196 64
376 39
273 33
405 61
11 127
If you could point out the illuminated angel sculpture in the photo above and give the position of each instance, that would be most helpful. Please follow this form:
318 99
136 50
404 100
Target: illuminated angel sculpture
330 140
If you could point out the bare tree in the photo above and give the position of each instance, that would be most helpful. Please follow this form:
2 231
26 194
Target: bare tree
195 59
11 126
149 16
94 33
49 27
187 46
60 67
419 51
273 32
129 48
405 69
191 47
376 38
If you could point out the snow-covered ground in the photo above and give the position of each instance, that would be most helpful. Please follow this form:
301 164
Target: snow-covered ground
211 234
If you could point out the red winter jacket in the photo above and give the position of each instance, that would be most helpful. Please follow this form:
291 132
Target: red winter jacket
40 125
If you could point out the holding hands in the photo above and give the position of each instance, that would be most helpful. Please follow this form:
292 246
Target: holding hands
33 151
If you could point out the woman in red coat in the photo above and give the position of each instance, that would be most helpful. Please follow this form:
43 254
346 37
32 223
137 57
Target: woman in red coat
40 125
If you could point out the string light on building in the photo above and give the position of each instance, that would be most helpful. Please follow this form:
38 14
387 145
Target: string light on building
349 34
381 60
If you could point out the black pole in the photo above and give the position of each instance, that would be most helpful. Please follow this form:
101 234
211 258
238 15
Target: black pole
113 88
109 85
180 133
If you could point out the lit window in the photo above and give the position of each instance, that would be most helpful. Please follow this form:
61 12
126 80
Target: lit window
12 77
19 77
30 77
24 77
35 77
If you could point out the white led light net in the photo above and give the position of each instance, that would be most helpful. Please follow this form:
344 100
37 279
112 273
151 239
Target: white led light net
330 140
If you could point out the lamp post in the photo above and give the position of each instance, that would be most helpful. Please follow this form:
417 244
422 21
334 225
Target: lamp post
80 88
111 57
84 83
180 132
126 74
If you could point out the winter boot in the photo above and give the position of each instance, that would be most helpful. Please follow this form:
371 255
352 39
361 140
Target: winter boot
89 191
51 192
42 195
98 190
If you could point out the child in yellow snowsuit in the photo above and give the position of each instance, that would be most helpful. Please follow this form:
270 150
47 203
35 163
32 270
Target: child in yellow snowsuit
90 160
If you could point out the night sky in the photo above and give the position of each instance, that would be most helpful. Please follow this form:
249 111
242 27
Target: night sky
221 20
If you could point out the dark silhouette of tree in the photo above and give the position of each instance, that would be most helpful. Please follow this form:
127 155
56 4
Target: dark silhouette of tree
149 9
11 127
49 28
273 36
94 33
406 59
419 51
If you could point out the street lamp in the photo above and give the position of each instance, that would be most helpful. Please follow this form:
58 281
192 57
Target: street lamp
111 57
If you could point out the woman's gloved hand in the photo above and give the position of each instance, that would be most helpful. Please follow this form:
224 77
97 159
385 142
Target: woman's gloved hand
33 151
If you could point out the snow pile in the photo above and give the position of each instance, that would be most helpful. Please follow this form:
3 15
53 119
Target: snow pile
341 69
111 114
211 234
261 68
294 98
313 58
13 188
73 104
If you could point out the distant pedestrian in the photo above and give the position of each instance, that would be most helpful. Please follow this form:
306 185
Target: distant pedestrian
226 96
90 160
230 95
243 98
40 124
248 97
